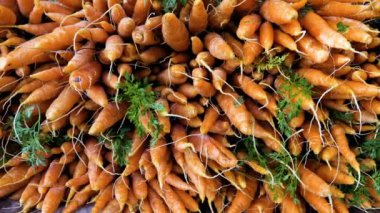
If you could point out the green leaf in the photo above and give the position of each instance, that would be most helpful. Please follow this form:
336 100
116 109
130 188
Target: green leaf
121 145
169 5
305 10
376 181
342 116
240 100
141 99
359 191
371 148
253 153
341 27
268 63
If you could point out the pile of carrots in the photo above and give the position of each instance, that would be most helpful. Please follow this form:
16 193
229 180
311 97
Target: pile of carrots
190 106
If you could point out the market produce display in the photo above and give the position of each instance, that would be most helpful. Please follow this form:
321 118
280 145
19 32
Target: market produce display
190 106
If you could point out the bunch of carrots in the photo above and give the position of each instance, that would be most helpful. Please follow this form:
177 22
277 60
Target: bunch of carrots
190 106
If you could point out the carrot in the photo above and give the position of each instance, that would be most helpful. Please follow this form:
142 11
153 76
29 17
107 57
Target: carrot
125 27
316 202
48 91
313 183
33 50
7 15
141 11
25 7
243 198
30 188
114 48
248 26
111 114
146 167
71 4
211 115
105 177
174 32
209 148
347 10
251 49
342 143
54 196
245 7
63 103
293 28
97 94
313 49
218 47
79 199
238 115
202 87
134 155
52 173
143 36
340 206
156 202
103 198
139 186
173 201
278 12
372 106
81 57
78 181
289 205
63 19
352 33
261 205
86 76
112 207
196 45
198 17
266 35
320 29
122 191
187 200
178 183
50 74
117 13
161 160
311 134
153 54
97 35
55 7
333 175
8 83
221 15
284 40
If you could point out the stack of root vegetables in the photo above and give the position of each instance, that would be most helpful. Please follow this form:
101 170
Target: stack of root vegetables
190 106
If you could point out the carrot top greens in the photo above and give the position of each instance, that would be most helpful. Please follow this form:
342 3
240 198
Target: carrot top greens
170 5
288 109
121 145
268 63
341 27
141 99
30 138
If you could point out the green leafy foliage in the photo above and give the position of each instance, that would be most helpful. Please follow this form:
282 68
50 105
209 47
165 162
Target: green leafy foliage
376 181
359 191
371 148
253 153
268 63
170 5
121 145
305 10
342 116
29 137
141 99
341 27
283 174
288 108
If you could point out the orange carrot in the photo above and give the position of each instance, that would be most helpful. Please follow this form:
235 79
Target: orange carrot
161 160
221 15
340 206
111 114
198 17
50 74
251 49
142 35
333 175
103 198
278 12
313 49
79 199
173 201
139 186
63 19
146 167
52 174
312 135
248 26
266 35
63 103
25 7
54 196
86 76
33 50
97 94
218 47
30 188
122 191
8 17
141 11
243 198
320 29
48 91
339 135
156 202
174 32
261 205
126 27
316 202
313 183
284 40
114 48
293 28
